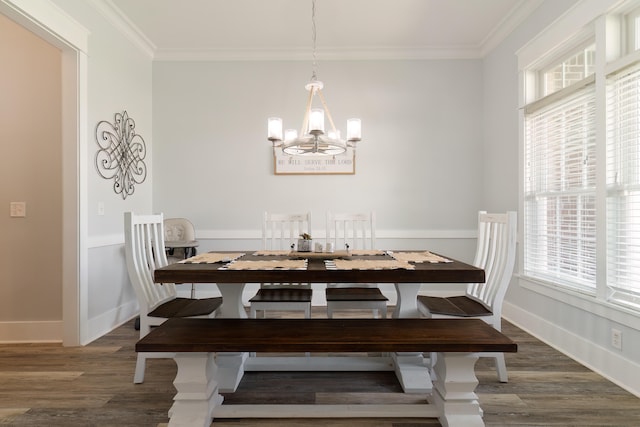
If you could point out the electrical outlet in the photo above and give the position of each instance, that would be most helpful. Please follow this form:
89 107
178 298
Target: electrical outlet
616 339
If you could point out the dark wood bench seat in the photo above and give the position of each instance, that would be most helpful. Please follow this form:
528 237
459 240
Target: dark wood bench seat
325 335
196 342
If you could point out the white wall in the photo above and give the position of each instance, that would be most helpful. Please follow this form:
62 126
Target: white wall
118 78
574 324
418 165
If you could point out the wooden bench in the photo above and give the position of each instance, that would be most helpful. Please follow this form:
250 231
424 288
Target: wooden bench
196 342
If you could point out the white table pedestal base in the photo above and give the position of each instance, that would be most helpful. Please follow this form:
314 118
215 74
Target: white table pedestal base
453 400
413 375
230 370
231 307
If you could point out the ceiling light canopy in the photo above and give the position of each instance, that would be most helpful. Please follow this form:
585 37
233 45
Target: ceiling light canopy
313 139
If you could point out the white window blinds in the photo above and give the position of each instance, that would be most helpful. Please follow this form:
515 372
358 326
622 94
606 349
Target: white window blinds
623 185
560 176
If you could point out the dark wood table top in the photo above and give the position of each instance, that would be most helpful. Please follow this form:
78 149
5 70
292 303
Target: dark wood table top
316 272
325 335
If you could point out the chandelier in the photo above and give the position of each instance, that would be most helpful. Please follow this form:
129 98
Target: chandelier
313 139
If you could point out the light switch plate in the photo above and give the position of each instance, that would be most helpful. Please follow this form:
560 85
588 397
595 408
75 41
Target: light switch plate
18 209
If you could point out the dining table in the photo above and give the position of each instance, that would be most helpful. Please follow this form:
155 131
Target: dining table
406 270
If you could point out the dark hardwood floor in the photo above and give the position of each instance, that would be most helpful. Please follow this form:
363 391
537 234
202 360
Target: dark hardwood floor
48 385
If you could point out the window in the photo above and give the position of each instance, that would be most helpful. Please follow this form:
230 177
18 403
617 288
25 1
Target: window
559 207
582 162
569 71
633 30
623 185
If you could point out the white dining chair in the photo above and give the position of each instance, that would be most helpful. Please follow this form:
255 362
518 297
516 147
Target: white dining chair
353 231
279 232
495 253
145 252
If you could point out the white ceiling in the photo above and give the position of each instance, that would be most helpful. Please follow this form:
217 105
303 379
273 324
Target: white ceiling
281 29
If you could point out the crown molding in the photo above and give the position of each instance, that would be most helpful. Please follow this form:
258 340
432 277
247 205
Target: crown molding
516 16
331 54
122 23
354 53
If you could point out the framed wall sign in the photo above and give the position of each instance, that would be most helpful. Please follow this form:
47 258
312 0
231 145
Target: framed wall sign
342 164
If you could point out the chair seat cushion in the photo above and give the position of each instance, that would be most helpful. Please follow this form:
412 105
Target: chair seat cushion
187 307
282 295
355 294
461 306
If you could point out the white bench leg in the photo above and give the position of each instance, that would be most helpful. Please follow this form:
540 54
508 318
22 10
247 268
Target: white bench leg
454 390
197 390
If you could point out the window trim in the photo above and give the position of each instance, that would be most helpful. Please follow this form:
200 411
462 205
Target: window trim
541 103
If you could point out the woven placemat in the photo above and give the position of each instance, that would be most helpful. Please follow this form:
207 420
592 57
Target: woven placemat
276 253
212 258
366 252
419 257
365 264
284 264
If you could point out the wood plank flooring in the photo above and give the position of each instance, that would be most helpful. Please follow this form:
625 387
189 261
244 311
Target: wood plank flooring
49 385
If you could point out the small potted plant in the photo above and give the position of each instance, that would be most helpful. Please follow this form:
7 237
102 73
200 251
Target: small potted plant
305 243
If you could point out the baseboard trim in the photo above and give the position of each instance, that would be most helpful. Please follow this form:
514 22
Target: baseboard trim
106 322
617 369
46 331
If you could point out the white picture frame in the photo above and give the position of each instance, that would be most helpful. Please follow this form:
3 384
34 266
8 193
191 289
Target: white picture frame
340 164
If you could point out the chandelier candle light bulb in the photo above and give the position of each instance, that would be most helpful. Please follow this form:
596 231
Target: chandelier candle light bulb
316 121
354 130
274 129
290 134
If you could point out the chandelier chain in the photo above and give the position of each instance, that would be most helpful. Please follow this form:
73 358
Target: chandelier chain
313 39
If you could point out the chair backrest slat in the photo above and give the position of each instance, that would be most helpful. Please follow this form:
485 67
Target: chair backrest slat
354 229
495 253
145 252
281 230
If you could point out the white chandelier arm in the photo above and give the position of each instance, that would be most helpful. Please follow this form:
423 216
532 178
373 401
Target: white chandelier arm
305 121
326 109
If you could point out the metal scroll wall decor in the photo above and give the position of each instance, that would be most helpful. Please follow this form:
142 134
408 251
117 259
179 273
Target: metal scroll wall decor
121 154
